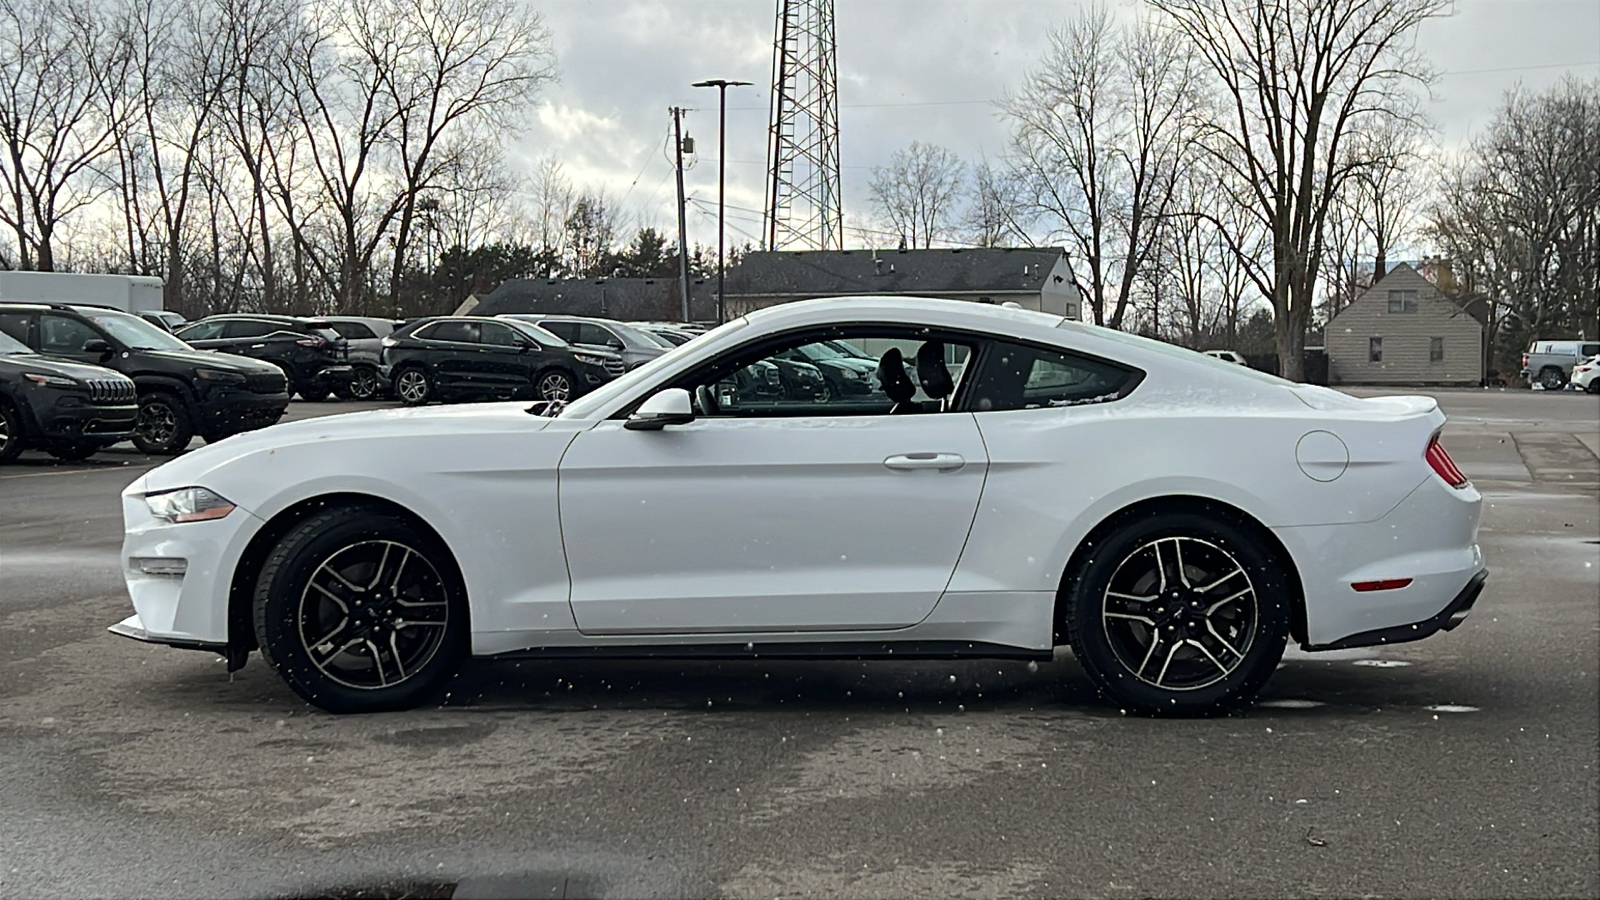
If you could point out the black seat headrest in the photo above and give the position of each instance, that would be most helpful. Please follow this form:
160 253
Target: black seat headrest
892 375
931 371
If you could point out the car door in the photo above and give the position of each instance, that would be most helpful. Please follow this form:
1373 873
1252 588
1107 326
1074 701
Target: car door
453 350
812 516
505 358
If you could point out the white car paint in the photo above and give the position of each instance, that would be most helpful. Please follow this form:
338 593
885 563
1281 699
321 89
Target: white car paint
1585 374
573 531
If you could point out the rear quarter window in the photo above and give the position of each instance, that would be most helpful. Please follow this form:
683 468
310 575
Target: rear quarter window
1018 376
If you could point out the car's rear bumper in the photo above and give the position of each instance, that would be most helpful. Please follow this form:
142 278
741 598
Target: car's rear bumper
1429 541
1454 613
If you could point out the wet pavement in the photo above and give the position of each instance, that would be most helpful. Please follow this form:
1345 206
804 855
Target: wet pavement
1463 765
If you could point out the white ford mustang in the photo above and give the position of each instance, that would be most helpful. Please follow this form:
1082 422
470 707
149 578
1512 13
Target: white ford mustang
962 481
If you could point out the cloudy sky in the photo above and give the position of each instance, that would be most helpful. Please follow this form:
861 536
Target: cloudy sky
909 70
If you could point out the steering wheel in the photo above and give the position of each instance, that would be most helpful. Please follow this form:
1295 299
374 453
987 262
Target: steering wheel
707 400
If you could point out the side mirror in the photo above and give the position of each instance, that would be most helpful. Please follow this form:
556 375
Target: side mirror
97 346
615 344
667 407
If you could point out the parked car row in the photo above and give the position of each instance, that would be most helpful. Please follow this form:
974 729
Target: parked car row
70 366
1551 364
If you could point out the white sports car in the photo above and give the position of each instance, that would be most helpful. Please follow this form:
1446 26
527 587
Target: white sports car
1004 482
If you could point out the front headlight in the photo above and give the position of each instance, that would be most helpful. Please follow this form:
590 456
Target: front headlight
190 504
219 376
589 360
51 380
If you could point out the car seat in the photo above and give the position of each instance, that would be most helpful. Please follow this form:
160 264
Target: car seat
897 384
934 375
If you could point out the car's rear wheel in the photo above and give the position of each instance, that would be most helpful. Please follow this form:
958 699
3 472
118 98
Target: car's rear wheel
10 433
413 386
1179 613
360 610
554 384
1552 378
164 426
363 384
1593 387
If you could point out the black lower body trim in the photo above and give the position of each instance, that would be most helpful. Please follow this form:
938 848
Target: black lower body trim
1445 620
788 650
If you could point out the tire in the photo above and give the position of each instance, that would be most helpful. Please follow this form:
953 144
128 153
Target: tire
10 433
73 452
1225 638
164 427
360 611
554 384
413 386
1593 387
314 395
1552 378
364 384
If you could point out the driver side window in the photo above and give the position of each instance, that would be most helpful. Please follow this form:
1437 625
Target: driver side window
59 334
873 371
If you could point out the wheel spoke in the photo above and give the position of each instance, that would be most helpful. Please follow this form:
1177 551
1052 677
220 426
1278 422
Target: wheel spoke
328 657
1226 600
332 635
1155 641
337 576
1220 581
377 661
394 652
1202 647
339 601
399 569
1222 640
1168 664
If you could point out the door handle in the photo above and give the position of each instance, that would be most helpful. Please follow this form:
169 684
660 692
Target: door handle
941 462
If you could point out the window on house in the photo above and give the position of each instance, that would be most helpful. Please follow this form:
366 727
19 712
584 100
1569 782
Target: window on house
1374 349
1435 349
1402 301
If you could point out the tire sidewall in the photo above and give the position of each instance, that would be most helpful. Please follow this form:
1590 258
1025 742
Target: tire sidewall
276 608
1091 646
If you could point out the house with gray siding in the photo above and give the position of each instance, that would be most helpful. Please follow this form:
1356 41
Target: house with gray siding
1402 330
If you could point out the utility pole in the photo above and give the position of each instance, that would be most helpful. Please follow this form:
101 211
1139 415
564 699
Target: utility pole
722 85
683 226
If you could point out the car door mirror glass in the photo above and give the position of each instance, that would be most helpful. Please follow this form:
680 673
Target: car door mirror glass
96 345
671 406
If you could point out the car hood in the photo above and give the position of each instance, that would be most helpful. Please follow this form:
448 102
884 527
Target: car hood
34 362
849 363
382 431
211 359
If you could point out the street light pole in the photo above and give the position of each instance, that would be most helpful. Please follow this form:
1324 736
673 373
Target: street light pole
722 85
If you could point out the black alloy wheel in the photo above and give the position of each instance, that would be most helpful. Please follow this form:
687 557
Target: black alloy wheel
361 611
554 385
10 433
1552 379
1179 614
364 384
163 427
413 386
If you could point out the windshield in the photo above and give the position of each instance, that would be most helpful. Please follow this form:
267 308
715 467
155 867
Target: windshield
540 336
134 332
600 397
10 346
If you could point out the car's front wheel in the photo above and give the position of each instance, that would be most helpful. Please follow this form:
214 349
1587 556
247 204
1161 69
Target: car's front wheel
554 385
1179 613
10 433
359 610
164 426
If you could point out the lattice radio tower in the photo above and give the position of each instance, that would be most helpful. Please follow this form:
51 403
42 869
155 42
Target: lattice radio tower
803 132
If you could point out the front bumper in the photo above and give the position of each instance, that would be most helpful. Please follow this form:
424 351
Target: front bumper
133 628
89 422
240 410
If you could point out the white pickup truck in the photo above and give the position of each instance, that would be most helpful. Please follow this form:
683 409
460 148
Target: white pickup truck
1549 363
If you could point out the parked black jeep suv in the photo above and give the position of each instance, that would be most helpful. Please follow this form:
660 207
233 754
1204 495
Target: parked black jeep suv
309 351
66 409
182 391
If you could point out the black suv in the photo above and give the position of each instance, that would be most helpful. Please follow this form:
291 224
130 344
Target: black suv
66 409
309 351
182 391
475 357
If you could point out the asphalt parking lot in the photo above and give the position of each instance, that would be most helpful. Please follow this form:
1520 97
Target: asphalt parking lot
1464 765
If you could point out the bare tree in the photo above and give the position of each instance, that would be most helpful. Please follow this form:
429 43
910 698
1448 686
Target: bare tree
916 193
1097 138
1299 78
997 213
591 233
60 62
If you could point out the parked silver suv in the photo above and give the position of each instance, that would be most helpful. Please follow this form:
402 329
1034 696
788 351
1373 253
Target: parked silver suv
364 335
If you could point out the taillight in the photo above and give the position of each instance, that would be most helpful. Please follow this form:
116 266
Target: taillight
312 341
1524 360
1441 462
